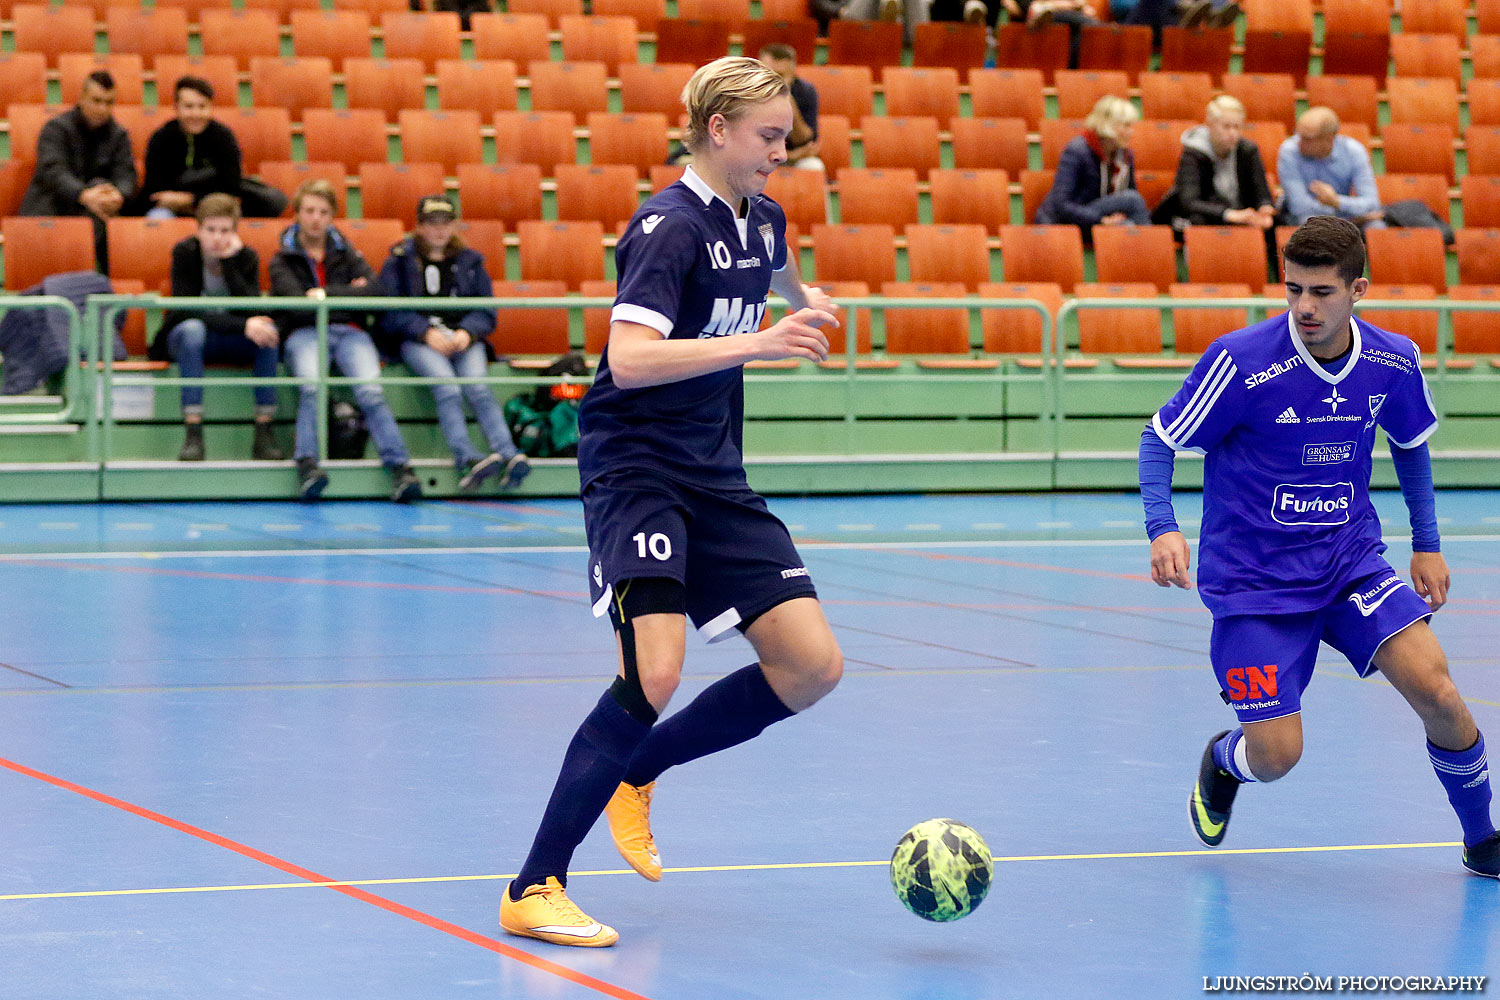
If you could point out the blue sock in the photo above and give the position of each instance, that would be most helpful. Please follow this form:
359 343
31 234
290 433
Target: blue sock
1224 754
591 771
1466 777
730 711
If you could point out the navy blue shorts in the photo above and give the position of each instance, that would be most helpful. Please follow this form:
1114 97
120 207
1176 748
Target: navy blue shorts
1264 662
733 556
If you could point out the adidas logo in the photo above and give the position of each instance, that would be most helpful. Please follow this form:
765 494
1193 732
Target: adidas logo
1288 416
1483 777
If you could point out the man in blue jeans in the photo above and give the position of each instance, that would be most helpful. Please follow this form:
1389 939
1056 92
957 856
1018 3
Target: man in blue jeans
216 262
316 261
434 263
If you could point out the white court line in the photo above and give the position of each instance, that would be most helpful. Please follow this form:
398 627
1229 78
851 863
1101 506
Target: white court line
1054 524
480 550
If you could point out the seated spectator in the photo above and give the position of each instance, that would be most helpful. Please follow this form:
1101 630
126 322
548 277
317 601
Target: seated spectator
1184 13
434 263
84 165
1220 178
1037 14
1095 182
1324 173
465 9
908 13
316 261
802 143
194 155
216 262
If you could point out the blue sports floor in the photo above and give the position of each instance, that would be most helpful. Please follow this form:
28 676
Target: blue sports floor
208 710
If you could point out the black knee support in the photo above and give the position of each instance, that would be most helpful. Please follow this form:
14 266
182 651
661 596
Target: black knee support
631 599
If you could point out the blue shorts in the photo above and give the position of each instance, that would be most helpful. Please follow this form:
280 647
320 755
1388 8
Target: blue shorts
733 556
1264 662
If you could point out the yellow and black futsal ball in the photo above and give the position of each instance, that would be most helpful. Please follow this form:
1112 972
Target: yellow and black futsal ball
941 869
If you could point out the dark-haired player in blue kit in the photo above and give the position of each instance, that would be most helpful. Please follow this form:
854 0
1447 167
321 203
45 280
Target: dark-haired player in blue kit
1285 413
673 528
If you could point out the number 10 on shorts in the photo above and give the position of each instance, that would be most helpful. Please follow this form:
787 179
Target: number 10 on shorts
659 545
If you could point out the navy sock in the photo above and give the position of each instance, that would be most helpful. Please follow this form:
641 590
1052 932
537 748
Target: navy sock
1224 755
1466 777
591 771
730 711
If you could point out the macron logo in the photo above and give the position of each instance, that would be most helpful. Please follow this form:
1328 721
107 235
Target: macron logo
650 222
1288 416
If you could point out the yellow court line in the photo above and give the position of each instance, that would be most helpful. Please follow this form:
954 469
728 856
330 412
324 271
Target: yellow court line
802 865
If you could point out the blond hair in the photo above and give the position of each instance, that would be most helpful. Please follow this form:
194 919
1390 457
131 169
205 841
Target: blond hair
726 87
1225 105
317 187
1110 112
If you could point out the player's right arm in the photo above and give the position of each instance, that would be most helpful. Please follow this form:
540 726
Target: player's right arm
639 356
1170 556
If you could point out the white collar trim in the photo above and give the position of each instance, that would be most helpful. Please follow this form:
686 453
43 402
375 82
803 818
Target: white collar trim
700 187
1314 364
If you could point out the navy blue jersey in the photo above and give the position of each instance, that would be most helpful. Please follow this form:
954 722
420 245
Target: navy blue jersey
1287 518
688 268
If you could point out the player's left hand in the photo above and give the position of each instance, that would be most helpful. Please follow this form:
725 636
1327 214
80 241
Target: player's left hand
1429 577
818 299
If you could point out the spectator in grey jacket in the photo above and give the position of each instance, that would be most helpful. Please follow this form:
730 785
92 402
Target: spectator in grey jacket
1221 180
83 163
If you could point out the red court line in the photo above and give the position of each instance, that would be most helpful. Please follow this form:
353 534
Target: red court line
297 871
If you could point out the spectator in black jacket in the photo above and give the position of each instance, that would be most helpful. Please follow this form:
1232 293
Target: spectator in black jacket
1221 180
433 263
216 262
316 261
190 156
83 163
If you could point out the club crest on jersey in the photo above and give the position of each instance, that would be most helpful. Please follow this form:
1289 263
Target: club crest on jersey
1376 402
1312 503
768 235
1368 600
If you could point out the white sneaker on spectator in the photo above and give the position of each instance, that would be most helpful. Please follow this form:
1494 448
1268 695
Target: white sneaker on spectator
975 12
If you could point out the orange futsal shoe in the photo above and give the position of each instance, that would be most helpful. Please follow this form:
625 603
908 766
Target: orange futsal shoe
629 815
546 913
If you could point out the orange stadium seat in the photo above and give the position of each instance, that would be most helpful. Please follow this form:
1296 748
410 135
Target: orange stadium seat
1079 90
989 143
553 10
518 37
1475 332
802 195
607 40
1197 50
855 253
263 133
782 10
1158 143
390 86
127 68
735 12
1480 196
15 175
645 12
1436 17
915 91
391 190
1035 184
544 138
350 135
335 35
1125 254
1352 98
240 34
1488 13
842 90
1116 47
1042 253
1482 143
509 192
1015 93
1194 329
911 143
286 176
1407 257
1281 48
1154 186
871 196
1484 56
264 237
38 246
53 30
1420 325
26 124
1426 56
1018 46
654 87
285 8
1057 133
1484 101
219 71
482 85
295 84
603 193
1428 100
638 140
1226 255
487 238
800 32
949 44
373 238
1175 95
445 137
1357 55
23 78
876 44
568 86
1266 96
375 8
1478 256
140 122
530 331
833 142
561 251
1419 149
948 253
1103 330
691 40
664 176
596 321
1430 189
925 331
1017 329
141 249
980 197
1369 17
148 32
426 35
